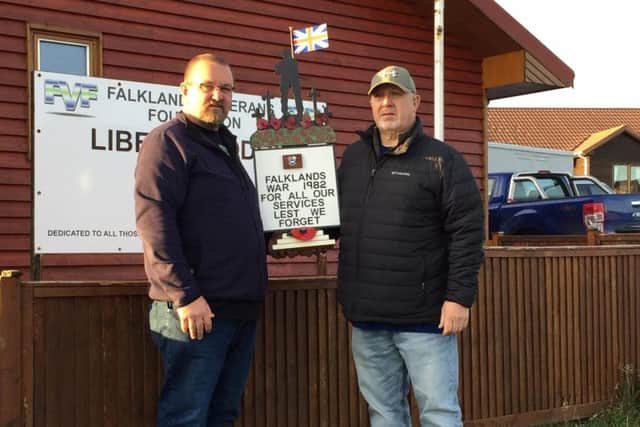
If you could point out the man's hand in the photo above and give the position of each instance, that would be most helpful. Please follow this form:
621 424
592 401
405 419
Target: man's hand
195 318
453 318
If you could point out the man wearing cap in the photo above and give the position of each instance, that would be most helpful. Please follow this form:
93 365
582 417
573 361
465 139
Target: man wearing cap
410 251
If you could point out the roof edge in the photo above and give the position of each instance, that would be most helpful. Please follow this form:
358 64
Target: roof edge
520 35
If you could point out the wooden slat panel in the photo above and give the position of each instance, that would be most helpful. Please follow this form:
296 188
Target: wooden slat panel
14 61
82 370
302 351
565 308
14 242
13 160
564 327
28 331
96 393
19 193
590 338
505 287
12 143
312 333
500 344
513 376
535 371
11 260
575 363
15 176
15 225
522 337
13 110
40 362
601 328
112 272
9 126
480 333
10 341
12 27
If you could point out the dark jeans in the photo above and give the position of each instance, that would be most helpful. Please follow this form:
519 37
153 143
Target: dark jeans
204 380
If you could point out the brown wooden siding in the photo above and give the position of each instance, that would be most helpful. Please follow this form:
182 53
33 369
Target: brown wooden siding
150 42
622 150
549 336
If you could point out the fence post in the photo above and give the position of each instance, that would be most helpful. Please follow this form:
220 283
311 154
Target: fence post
10 349
321 264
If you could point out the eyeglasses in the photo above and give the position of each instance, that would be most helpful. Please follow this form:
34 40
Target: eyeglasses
208 87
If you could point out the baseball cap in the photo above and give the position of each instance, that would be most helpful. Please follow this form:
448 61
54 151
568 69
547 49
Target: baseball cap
393 75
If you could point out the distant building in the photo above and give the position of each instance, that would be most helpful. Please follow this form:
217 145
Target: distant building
518 158
605 142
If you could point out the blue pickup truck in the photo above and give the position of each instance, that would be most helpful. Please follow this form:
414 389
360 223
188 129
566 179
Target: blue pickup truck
557 203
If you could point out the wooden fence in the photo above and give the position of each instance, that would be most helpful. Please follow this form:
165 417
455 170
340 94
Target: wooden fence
590 238
551 330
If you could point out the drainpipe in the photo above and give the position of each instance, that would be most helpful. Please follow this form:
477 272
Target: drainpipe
438 69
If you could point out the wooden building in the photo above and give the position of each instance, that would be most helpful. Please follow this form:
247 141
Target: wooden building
488 55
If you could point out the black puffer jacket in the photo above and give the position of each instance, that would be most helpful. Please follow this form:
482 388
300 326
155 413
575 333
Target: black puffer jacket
411 230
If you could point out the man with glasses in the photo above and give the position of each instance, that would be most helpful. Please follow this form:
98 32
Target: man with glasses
204 252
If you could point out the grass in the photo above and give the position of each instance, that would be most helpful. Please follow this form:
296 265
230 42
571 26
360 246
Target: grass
625 408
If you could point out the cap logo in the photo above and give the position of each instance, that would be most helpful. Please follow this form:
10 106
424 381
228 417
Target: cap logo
391 74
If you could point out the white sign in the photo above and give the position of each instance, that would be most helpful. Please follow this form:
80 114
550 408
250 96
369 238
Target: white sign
87 133
297 187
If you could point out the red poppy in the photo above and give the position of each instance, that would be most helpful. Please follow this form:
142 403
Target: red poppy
305 233
262 124
275 123
306 121
291 122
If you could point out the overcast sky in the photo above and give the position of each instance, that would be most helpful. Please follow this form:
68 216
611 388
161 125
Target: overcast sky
598 40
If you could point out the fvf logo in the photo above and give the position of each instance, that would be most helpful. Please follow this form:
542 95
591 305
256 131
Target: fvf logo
81 92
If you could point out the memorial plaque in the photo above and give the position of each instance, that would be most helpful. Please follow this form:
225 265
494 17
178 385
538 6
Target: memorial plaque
295 170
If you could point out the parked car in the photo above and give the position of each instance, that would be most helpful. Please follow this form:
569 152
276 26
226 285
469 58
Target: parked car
545 202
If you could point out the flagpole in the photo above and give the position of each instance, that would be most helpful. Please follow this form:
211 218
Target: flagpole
291 40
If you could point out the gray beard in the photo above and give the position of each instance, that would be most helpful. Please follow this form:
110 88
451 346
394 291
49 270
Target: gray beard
213 118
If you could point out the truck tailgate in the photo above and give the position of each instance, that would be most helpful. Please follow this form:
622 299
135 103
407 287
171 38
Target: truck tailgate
622 213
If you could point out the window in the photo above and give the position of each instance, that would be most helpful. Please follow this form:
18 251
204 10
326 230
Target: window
63 57
553 187
65 51
525 190
626 178
588 187
491 183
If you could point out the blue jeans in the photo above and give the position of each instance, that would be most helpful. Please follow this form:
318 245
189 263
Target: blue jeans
203 380
387 362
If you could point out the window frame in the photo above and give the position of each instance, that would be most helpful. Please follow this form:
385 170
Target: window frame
87 56
92 40
629 187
